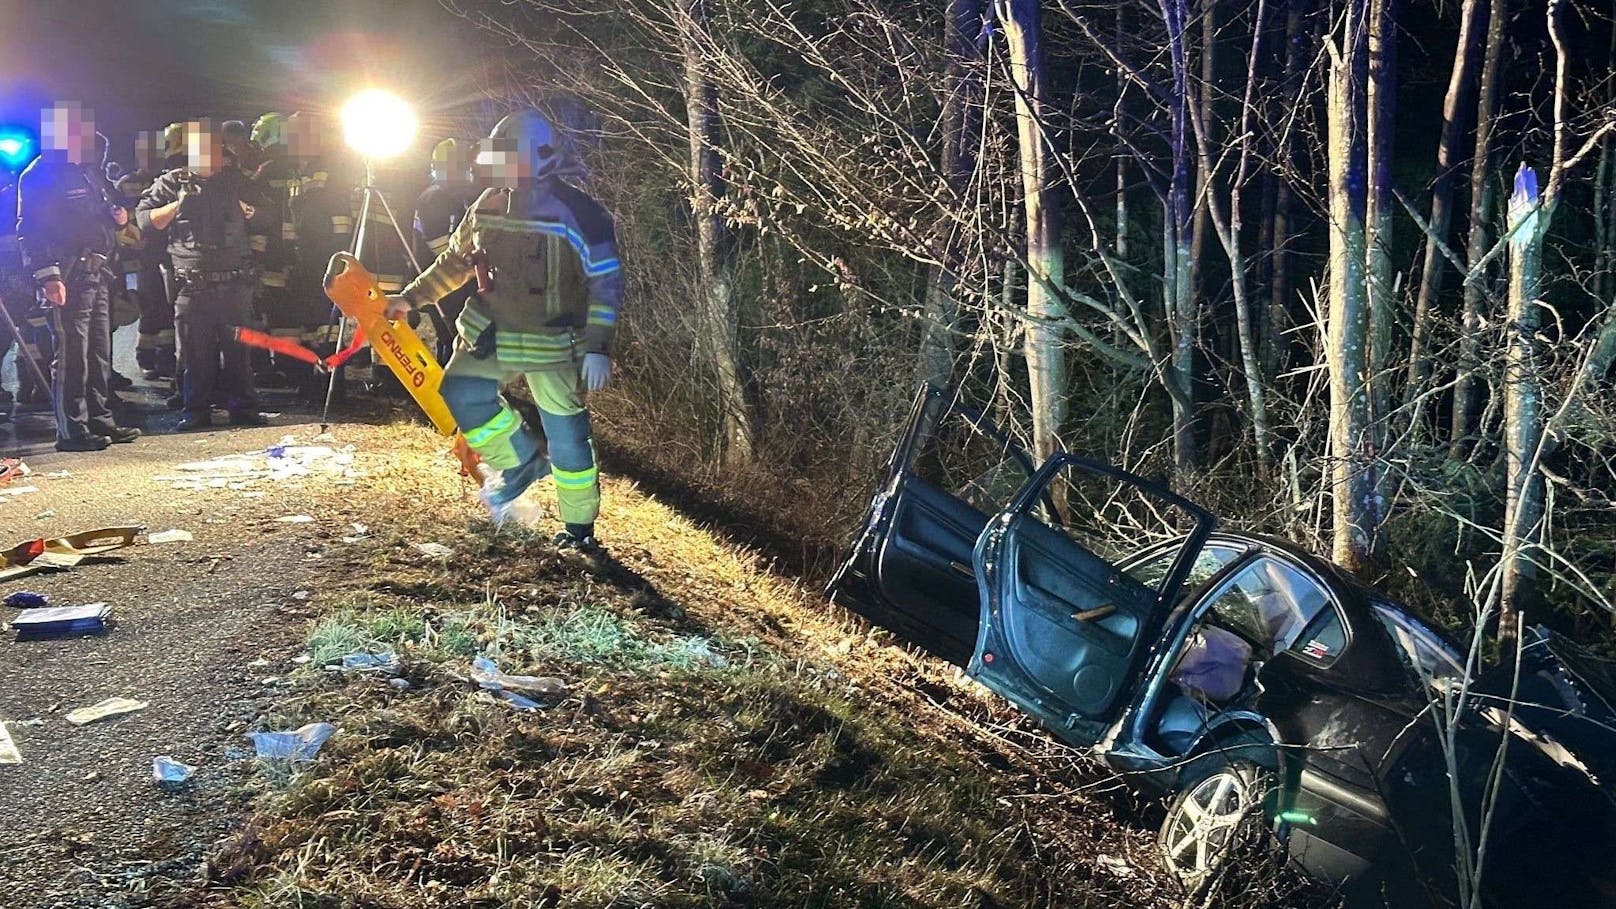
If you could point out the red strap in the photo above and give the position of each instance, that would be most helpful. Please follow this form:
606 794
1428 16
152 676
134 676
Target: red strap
336 360
285 346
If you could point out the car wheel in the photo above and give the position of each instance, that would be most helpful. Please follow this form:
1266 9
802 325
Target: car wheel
1218 815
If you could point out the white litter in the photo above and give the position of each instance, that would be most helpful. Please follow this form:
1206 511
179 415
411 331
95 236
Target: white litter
486 673
170 536
47 513
167 770
300 745
435 550
108 707
295 519
8 749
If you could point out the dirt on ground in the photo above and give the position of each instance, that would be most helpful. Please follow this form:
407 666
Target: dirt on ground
711 732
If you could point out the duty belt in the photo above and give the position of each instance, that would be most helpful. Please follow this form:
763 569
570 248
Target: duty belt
199 278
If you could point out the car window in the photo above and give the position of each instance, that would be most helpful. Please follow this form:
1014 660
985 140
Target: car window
971 464
1279 608
1431 657
1152 571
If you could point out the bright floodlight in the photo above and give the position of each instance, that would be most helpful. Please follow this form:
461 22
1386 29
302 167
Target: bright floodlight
377 124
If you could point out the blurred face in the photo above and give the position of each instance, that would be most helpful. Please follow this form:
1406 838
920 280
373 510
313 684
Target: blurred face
149 151
204 148
304 139
68 127
503 163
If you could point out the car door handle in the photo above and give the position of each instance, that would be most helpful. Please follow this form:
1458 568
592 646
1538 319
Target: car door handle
1098 612
962 568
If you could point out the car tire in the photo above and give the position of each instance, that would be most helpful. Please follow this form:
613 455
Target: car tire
1220 812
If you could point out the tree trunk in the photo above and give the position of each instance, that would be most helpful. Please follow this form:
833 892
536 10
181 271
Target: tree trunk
719 328
1481 216
958 157
1046 357
1279 301
1204 164
1382 105
1178 301
1352 480
1523 395
1455 106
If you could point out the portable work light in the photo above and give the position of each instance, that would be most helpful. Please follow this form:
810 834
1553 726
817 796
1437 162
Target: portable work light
378 124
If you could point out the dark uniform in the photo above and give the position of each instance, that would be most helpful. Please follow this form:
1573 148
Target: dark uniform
17 296
437 213
210 249
64 225
274 249
323 223
154 343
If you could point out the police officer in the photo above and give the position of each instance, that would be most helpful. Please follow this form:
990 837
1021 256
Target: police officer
65 228
205 208
546 255
438 211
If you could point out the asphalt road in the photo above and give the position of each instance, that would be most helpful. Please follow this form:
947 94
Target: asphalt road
82 823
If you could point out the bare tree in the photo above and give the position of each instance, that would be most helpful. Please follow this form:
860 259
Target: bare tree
1046 356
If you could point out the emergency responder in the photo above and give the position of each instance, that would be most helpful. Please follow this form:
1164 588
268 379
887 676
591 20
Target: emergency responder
323 223
17 290
205 208
175 157
154 344
240 150
64 225
545 257
274 237
438 211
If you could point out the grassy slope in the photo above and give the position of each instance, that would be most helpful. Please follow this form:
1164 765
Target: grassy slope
728 739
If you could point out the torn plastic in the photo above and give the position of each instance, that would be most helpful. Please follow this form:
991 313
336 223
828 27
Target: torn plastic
26 599
386 661
301 744
486 674
8 748
167 770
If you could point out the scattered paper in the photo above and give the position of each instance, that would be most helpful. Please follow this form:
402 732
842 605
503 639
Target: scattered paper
167 770
47 513
300 745
107 708
59 475
8 748
295 519
486 673
16 490
435 550
170 536
1118 867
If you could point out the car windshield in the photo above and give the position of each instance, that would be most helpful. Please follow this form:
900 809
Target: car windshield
1153 570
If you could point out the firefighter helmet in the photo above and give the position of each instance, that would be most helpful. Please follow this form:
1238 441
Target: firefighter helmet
449 161
269 130
540 148
173 139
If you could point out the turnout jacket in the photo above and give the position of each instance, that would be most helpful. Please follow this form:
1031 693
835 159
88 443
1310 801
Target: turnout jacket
557 281
209 233
438 211
62 214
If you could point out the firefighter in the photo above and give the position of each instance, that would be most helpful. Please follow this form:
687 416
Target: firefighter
544 256
323 222
154 343
275 236
438 211
64 225
205 209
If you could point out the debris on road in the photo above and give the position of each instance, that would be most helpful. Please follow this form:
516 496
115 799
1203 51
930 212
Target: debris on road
295 519
300 745
25 599
108 708
61 621
168 771
8 748
47 513
10 492
170 536
386 661
11 469
286 460
435 550
486 674
63 553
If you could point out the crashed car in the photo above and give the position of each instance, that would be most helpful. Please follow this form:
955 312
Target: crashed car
1272 695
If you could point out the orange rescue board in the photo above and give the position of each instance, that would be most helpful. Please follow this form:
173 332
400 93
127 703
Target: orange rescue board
354 290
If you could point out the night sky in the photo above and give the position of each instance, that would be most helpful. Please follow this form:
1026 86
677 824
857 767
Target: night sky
143 63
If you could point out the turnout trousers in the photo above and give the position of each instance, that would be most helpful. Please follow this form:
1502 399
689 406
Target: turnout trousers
213 364
495 431
82 331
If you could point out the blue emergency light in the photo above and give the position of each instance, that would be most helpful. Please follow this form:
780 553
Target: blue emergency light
16 148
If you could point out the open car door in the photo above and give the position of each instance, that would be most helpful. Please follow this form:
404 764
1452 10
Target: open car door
909 568
1063 632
